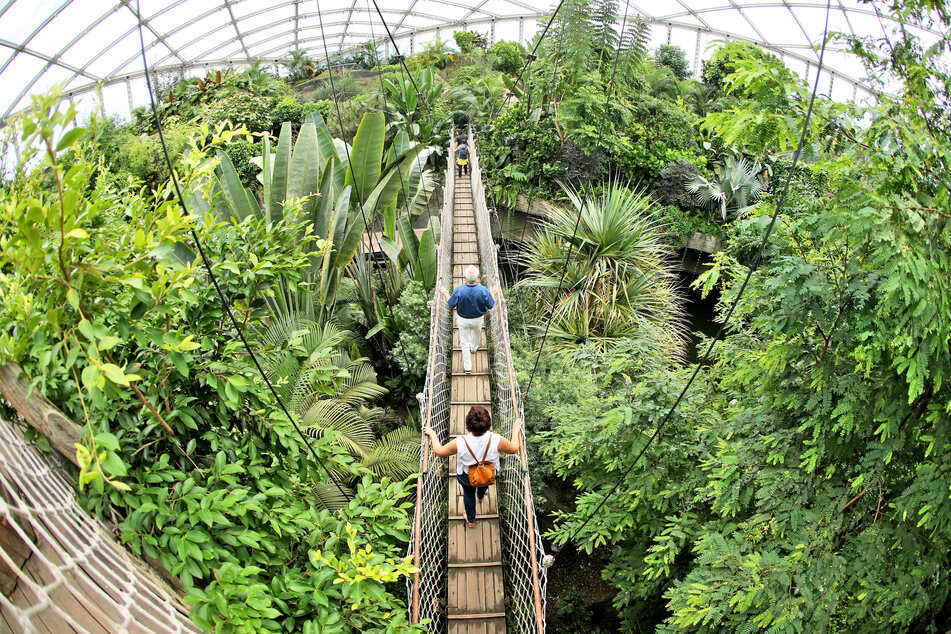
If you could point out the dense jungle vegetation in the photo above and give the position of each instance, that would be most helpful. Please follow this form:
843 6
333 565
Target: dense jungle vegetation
804 483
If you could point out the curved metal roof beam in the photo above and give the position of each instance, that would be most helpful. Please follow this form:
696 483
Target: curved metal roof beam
111 78
779 4
420 31
225 25
265 27
36 31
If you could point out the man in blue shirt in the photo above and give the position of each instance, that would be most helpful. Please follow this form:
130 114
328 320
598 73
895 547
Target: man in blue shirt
471 301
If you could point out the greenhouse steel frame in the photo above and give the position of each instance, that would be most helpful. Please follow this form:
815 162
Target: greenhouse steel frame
248 31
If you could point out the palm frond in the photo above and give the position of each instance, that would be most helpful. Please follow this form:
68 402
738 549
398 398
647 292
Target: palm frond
395 455
328 496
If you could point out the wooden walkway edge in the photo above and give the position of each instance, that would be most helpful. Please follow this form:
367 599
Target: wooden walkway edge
476 596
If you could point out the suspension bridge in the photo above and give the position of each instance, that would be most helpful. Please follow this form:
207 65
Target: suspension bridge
69 574
487 579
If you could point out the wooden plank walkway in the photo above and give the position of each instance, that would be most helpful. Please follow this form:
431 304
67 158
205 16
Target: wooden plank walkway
476 597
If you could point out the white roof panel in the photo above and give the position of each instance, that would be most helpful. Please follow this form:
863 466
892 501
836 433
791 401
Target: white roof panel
84 41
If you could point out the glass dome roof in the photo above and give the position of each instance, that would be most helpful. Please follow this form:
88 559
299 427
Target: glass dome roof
94 44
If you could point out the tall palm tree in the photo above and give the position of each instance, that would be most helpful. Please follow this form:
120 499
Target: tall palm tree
618 282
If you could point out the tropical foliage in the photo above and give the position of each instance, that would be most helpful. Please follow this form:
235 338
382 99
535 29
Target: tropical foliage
617 281
800 484
183 445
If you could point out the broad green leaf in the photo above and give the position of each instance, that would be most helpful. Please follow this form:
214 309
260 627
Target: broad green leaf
69 138
391 249
427 259
302 178
366 156
280 172
240 203
115 374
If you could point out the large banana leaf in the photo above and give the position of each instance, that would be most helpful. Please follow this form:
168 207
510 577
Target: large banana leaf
328 146
409 240
367 155
398 147
239 200
427 259
391 249
390 184
324 205
276 193
303 177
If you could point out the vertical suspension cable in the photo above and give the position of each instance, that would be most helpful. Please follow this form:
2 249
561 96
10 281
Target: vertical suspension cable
207 264
736 300
346 148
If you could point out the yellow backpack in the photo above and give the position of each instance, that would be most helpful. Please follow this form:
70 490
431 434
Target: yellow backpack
481 474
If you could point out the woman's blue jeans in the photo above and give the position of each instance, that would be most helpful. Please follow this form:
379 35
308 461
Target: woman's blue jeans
469 494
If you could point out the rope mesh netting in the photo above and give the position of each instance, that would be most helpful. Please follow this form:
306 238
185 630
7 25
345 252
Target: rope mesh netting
429 542
522 549
62 571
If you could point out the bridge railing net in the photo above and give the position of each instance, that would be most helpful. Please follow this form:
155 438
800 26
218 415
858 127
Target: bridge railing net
522 550
60 569
428 546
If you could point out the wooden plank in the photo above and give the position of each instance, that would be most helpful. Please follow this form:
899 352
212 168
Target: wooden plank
40 413
456 345
471 389
480 361
481 543
475 625
477 593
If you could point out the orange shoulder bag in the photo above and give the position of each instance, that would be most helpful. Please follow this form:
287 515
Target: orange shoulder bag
482 474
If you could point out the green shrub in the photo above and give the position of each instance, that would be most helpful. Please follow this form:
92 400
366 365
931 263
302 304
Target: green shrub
286 110
324 107
464 41
723 62
241 108
674 58
412 321
142 156
670 186
465 75
519 153
241 152
508 57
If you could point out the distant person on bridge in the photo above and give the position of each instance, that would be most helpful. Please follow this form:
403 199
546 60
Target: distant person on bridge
471 301
474 444
462 155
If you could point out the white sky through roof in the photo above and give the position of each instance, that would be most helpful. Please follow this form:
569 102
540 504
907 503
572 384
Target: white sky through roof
85 43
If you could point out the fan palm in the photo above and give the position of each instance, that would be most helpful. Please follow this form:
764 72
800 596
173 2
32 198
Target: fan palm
618 282
329 391
733 189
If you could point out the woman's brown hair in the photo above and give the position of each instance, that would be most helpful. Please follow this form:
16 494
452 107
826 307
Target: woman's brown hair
478 420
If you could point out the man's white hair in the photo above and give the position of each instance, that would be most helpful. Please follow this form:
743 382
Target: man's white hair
472 274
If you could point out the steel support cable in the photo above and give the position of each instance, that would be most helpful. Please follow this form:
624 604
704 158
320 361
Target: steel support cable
608 93
530 58
396 48
207 264
386 105
736 300
346 149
